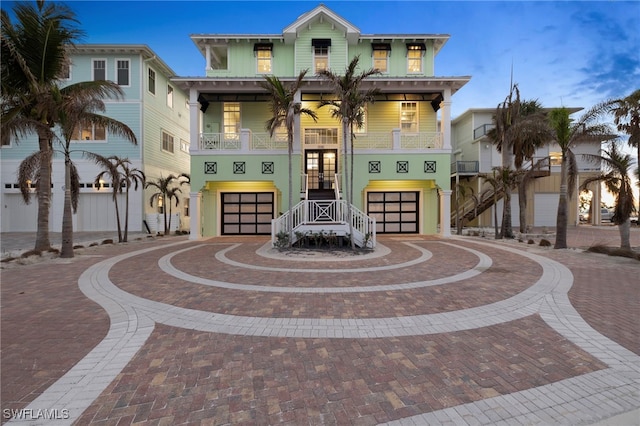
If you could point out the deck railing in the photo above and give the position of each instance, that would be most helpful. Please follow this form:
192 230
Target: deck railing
248 141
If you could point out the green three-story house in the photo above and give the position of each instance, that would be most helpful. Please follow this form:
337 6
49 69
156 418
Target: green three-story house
239 174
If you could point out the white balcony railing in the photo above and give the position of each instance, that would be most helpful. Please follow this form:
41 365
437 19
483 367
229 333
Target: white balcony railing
247 141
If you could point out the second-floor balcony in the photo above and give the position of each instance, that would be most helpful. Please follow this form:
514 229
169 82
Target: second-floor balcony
463 168
481 131
258 142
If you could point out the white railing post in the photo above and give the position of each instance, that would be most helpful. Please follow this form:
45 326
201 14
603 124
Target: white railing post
395 135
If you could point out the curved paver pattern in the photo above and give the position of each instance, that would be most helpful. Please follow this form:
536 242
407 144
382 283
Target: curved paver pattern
525 356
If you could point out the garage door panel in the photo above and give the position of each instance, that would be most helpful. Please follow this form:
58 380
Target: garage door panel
18 216
247 213
394 211
545 209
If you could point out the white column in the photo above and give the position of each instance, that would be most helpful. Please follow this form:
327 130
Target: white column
194 122
195 199
445 212
208 57
395 137
445 119
595 204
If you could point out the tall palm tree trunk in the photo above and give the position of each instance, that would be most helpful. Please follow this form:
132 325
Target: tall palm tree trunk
625 234
126 216
506 230
67 215
43 242
563 208
345 138
522 205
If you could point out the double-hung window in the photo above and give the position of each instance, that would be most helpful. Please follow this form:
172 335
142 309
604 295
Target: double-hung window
321 53
381 53
231 120
415 53
122 72
152 81
264 57
87 132
99 69
409 117
167 142
169 96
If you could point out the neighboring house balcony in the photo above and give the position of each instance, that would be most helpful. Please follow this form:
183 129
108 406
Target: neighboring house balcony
248 141
481 131
465 168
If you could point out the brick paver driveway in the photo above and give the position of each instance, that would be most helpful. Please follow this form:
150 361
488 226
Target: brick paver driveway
229 331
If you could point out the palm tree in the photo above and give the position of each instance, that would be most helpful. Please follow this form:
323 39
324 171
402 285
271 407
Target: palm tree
33 58
79 106
462 191
110 169
617 178
520 129
121 176
349 107
165 192
626 116
496 184
130 177
568 134
285 105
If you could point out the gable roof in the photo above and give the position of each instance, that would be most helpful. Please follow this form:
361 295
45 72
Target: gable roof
321 14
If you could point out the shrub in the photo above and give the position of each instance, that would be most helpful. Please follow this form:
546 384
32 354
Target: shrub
545 243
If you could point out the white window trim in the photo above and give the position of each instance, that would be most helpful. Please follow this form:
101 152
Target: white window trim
155 82
328 59
270 63
387 56
173 96
421 63
163 132
128 71
106 68
417 117
93 141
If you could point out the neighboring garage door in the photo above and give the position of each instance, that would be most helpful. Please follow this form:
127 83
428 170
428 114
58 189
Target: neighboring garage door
18 216
247 213
395 212
97 212
545 209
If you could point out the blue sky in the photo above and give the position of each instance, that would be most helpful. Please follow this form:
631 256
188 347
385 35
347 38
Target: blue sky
571 53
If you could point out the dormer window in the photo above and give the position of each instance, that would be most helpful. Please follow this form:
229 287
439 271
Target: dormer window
415 52
264 57
321 53
381 53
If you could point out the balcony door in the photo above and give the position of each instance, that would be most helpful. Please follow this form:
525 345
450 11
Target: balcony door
320 166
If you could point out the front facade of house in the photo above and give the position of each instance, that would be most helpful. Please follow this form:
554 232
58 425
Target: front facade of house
474 154
239 174
154 108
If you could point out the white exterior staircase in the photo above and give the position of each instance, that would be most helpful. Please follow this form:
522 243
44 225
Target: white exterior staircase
310 217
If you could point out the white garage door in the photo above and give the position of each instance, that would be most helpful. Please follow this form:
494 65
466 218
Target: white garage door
18 216
545 209
97 212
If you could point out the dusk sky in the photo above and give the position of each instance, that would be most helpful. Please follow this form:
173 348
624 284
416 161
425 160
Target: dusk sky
571 53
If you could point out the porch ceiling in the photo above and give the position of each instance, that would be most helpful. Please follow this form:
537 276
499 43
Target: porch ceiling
431 86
